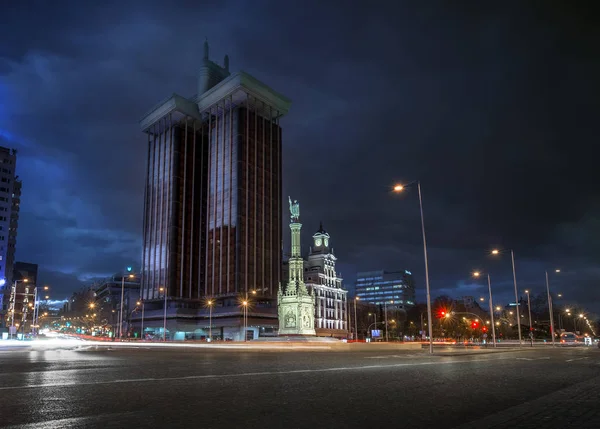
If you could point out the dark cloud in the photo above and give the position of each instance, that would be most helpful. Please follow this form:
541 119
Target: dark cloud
493 107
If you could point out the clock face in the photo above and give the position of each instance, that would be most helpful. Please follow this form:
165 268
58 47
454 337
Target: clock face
318 242
326 242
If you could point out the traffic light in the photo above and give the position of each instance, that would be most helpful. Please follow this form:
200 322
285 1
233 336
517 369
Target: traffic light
474 325
484 329
441 314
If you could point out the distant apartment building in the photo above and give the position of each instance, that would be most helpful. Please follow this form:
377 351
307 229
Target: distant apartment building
392 288
10 199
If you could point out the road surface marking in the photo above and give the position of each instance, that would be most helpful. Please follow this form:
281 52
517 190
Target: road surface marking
541 358
392 356
245 374
571 360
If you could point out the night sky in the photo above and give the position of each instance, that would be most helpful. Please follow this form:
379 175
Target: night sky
494 108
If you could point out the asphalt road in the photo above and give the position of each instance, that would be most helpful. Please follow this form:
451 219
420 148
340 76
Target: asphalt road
111 387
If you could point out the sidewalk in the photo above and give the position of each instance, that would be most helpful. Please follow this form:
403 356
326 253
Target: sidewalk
577 406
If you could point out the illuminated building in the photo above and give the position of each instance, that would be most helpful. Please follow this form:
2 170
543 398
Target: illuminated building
212 215
10 199
331 303
392 288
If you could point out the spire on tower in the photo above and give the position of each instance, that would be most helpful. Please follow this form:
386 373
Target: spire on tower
205 49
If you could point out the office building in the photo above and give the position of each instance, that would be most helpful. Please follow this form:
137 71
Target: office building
394 289
212 215
10 199
331 305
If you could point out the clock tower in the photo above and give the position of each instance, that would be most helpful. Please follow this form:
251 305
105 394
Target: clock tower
321 241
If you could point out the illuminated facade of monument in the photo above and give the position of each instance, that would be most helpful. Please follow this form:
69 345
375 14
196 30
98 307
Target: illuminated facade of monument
295 303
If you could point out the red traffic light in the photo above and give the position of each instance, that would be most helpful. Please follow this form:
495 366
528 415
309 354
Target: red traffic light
484 329
474 325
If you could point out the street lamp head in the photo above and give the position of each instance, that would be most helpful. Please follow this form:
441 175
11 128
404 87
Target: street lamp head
245 303
527 291
447 315
476 274
398 188
46 288
25 280
498 308
356 298
482 299
131 276
560 295
581 316
558 271
209 302
254 292
138 303
495 252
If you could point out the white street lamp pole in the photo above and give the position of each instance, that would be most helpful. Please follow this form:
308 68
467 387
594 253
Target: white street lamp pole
165 318
530 325
518 304
355 320
429 318
550 309
121 310
142 327
386 322
34 316
210 304
492 311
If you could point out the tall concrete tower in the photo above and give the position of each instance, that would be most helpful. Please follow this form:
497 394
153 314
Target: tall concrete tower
212 217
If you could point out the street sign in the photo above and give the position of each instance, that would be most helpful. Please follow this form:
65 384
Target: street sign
484 335
375 333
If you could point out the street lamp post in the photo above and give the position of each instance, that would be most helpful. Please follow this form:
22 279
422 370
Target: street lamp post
375 316
210 304
142 303
355 320
400 188
121 307
517 303
550 309
529 309
245 304
122 302
491 303
164 289
386 322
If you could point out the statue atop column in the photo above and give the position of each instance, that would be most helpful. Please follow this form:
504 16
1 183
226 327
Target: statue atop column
294 210
295 304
